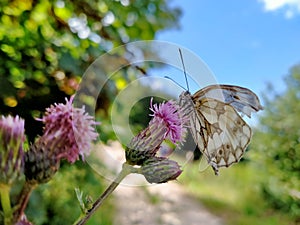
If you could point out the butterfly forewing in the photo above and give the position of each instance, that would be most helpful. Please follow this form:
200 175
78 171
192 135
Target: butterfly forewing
216 126
242 99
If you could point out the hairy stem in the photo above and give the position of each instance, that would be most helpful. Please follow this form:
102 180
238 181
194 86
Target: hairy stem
127 169
23 200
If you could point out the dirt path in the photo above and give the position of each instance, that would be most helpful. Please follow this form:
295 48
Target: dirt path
163 204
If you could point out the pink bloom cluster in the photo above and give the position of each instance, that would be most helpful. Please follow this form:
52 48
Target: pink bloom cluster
68 131
169 114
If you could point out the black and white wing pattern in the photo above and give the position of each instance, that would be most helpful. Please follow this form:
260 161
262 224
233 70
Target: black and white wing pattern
215 123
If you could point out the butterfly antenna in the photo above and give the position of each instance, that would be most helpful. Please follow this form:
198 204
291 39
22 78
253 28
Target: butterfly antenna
143 71
186 81
169 78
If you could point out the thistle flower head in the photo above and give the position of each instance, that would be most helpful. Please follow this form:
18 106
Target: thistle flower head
12 137
68 131
169 114
167 123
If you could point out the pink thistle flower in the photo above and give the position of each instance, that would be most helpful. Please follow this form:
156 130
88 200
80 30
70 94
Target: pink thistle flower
167 123
172 117
12 137
68 131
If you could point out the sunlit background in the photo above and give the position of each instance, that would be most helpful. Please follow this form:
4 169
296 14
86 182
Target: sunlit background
47 46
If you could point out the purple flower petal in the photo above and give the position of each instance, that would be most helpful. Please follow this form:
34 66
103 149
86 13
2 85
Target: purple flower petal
170 115
68 130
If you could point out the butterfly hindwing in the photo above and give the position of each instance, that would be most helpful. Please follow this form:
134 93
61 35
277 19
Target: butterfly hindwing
216 126
229 135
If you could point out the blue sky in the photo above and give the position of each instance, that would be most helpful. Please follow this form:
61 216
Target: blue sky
246 43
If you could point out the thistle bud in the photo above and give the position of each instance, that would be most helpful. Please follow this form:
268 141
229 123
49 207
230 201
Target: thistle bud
145 144
12 138
160 170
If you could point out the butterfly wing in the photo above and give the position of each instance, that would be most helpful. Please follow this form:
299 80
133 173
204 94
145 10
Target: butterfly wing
198 125
219 131
228 135
242 99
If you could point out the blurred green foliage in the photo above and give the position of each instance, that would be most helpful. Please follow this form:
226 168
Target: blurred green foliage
234 195
45 46
55 203
277 146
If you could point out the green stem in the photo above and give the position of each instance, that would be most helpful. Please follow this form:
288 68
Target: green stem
23 199
127 169
5 202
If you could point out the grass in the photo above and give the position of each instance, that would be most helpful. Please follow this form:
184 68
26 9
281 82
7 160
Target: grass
234 195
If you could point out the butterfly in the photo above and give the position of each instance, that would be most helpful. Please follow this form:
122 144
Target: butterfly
215 121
